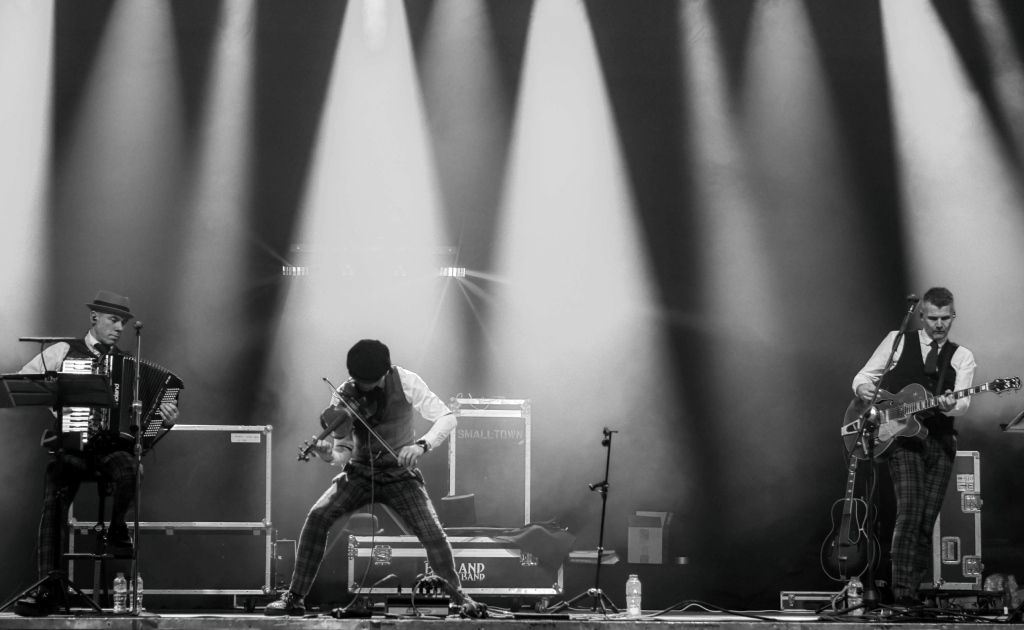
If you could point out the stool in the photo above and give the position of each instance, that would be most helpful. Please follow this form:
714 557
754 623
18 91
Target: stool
100 555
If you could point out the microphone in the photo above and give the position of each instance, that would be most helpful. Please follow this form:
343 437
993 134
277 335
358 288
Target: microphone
912 301
138 326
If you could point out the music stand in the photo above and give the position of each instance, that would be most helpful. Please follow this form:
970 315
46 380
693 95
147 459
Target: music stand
56 390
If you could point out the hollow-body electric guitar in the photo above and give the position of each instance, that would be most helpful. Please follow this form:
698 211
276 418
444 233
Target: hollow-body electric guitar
844 553
895 414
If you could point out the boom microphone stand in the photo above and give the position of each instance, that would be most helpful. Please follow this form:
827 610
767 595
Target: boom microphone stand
600 599
867 438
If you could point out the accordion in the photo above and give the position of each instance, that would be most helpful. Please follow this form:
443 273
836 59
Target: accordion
110 429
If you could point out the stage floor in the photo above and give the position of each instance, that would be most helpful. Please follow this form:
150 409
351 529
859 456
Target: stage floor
245 621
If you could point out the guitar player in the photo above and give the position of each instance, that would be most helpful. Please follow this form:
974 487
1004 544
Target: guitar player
920 469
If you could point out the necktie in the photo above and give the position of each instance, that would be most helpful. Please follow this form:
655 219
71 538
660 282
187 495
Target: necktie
931 362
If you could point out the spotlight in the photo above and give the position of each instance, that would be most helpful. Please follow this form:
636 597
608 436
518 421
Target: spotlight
290 270
452 272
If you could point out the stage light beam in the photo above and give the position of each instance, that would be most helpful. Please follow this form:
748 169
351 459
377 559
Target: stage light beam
211 285
576 323
119 177
371 188
1007 66
961 194
26 32
764 172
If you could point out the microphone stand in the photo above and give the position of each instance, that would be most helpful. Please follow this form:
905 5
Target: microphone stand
137 430
600 599
867 437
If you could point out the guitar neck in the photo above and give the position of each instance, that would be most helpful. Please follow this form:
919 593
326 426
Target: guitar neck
933 401
851 479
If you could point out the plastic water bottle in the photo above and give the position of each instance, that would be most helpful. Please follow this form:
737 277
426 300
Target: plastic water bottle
131 595
120 592
855 596
633 596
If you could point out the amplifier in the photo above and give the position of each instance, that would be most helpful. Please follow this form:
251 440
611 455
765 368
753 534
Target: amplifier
486 566
956 541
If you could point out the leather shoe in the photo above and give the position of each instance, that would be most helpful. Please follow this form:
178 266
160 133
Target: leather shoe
38 603
119 538
289 604
472 609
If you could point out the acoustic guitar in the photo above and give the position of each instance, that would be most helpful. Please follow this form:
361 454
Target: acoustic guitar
844 553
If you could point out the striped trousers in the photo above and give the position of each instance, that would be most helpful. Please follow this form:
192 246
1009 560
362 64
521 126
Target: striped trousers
400 489
118 469
920 471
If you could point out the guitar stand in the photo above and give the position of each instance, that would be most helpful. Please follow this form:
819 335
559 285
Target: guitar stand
600 599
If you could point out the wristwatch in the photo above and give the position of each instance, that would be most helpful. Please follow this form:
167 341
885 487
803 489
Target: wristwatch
425 445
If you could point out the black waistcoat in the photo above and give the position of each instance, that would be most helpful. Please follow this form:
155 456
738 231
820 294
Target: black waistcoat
393 422
910 369
78 349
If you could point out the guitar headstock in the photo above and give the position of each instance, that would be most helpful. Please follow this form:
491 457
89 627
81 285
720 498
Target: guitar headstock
1001 385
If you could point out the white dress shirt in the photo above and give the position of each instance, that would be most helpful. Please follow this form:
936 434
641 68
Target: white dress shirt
427 404
962 361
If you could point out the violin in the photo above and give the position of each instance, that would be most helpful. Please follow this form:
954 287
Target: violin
340 417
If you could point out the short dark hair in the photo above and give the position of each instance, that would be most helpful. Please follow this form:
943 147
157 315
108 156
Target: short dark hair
939 296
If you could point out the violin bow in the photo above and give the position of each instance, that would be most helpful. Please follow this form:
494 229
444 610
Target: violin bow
358 416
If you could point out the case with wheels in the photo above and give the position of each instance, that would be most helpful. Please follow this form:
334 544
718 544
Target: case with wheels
956 541
486 566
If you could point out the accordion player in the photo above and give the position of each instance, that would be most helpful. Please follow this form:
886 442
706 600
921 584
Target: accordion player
99 441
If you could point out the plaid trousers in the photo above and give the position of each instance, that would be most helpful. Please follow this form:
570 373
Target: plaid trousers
118 468
400 489
920 471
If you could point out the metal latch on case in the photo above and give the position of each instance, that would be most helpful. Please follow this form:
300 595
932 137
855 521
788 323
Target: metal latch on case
973 566
970 502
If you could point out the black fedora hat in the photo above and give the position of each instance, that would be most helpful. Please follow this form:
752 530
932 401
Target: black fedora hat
109 302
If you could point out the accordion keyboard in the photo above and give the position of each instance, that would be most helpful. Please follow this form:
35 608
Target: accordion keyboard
76 419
